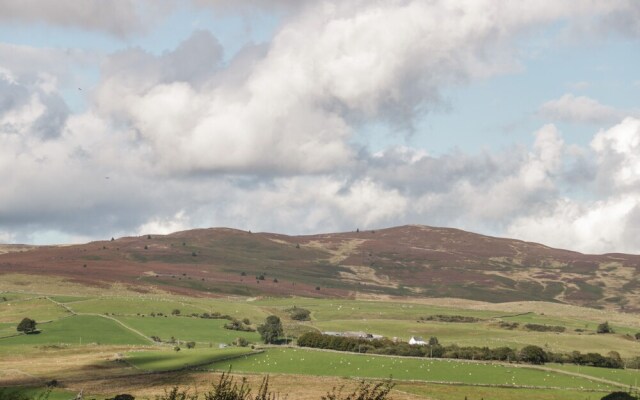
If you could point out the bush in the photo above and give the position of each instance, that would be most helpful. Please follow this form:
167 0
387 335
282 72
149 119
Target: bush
544 328
175 312
27 325
299 314
450 318
190 345
236 325
533 355
241 342
604 328
364 391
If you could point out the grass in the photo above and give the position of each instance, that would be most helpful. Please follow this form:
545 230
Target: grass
171 360
81 329
188 329
628 377
39 309
392 319
133 306
310 362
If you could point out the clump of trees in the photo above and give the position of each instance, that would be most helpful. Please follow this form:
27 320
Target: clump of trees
604 328
299 314
508 325
27 325
450 318
544 328
528 354
271 330
236 325
216 315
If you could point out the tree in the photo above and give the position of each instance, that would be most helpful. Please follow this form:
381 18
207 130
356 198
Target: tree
533 355
27 325
271 329
604 328
175 312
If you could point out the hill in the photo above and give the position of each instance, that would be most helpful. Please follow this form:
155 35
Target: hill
406 261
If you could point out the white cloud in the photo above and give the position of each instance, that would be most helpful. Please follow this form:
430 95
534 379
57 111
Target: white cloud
166 225
264 141
121 18
579 109
607 224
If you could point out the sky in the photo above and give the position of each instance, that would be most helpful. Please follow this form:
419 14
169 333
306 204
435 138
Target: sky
512 119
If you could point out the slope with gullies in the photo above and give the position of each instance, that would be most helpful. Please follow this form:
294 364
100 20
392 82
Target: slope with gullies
408 261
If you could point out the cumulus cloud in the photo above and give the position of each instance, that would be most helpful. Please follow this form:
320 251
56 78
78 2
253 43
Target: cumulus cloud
263 139
579 109
607 223
121 18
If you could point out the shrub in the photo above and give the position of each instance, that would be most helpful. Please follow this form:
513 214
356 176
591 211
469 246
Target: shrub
604 328
299 314
364 391
533 355
175 312
191 345
544 328
27 325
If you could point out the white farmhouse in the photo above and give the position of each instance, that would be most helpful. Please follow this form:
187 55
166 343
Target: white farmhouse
417 340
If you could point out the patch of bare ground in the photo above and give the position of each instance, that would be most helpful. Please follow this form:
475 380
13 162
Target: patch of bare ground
339 250
367 275
15 248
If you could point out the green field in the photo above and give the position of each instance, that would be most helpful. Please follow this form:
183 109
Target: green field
628 377
188 329
39 309
78 330
124 323
170 360
314 362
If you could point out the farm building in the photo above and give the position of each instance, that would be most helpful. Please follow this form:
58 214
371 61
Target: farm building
417 340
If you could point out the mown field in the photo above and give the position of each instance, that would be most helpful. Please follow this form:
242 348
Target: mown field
87 340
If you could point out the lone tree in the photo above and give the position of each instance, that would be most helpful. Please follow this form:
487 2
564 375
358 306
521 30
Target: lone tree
27 325
533 355
271 329
604 328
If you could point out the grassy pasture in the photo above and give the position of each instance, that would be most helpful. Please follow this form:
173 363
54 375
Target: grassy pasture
68 299
188 329
310 362
133 306
167 360
483 334
80 329
332 309
39 309
629 377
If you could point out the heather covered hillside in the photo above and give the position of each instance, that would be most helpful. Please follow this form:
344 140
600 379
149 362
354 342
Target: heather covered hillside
411 261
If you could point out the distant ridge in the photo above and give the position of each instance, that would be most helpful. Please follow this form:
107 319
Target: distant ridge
405 261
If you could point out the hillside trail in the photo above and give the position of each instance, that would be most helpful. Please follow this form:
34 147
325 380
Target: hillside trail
70 310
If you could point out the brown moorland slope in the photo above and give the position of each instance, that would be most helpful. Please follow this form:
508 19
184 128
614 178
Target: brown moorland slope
408 261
